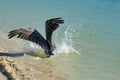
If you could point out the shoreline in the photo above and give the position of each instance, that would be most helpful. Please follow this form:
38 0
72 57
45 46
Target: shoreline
9 69
29 68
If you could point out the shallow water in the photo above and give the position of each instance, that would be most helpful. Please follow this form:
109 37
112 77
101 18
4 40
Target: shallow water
87 44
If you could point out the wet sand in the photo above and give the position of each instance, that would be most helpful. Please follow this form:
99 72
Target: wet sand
28 68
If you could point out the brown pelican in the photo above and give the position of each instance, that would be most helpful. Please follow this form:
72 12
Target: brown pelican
33 35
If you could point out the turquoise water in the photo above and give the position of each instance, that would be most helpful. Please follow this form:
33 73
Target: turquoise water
91 30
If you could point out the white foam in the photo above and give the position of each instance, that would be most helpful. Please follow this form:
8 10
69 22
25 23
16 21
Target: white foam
66 46
31 47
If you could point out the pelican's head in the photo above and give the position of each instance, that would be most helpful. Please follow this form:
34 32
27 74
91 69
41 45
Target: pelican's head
48 53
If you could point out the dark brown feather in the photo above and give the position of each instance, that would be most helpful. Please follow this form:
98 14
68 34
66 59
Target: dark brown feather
51 26
31 35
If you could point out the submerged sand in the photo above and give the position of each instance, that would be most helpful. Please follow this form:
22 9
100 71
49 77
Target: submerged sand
28 68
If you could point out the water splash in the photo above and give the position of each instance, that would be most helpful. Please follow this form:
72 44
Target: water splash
66 46
31 47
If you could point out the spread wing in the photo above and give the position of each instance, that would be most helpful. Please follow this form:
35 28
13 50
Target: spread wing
52 25
30 35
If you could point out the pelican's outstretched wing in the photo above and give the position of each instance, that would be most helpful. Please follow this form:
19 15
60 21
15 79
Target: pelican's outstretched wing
31 35
52 25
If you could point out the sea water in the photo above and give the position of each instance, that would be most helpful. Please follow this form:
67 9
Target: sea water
88 43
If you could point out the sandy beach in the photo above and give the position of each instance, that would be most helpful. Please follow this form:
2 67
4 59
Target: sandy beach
28 68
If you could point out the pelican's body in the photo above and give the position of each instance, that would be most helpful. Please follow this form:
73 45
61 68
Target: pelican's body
33 35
